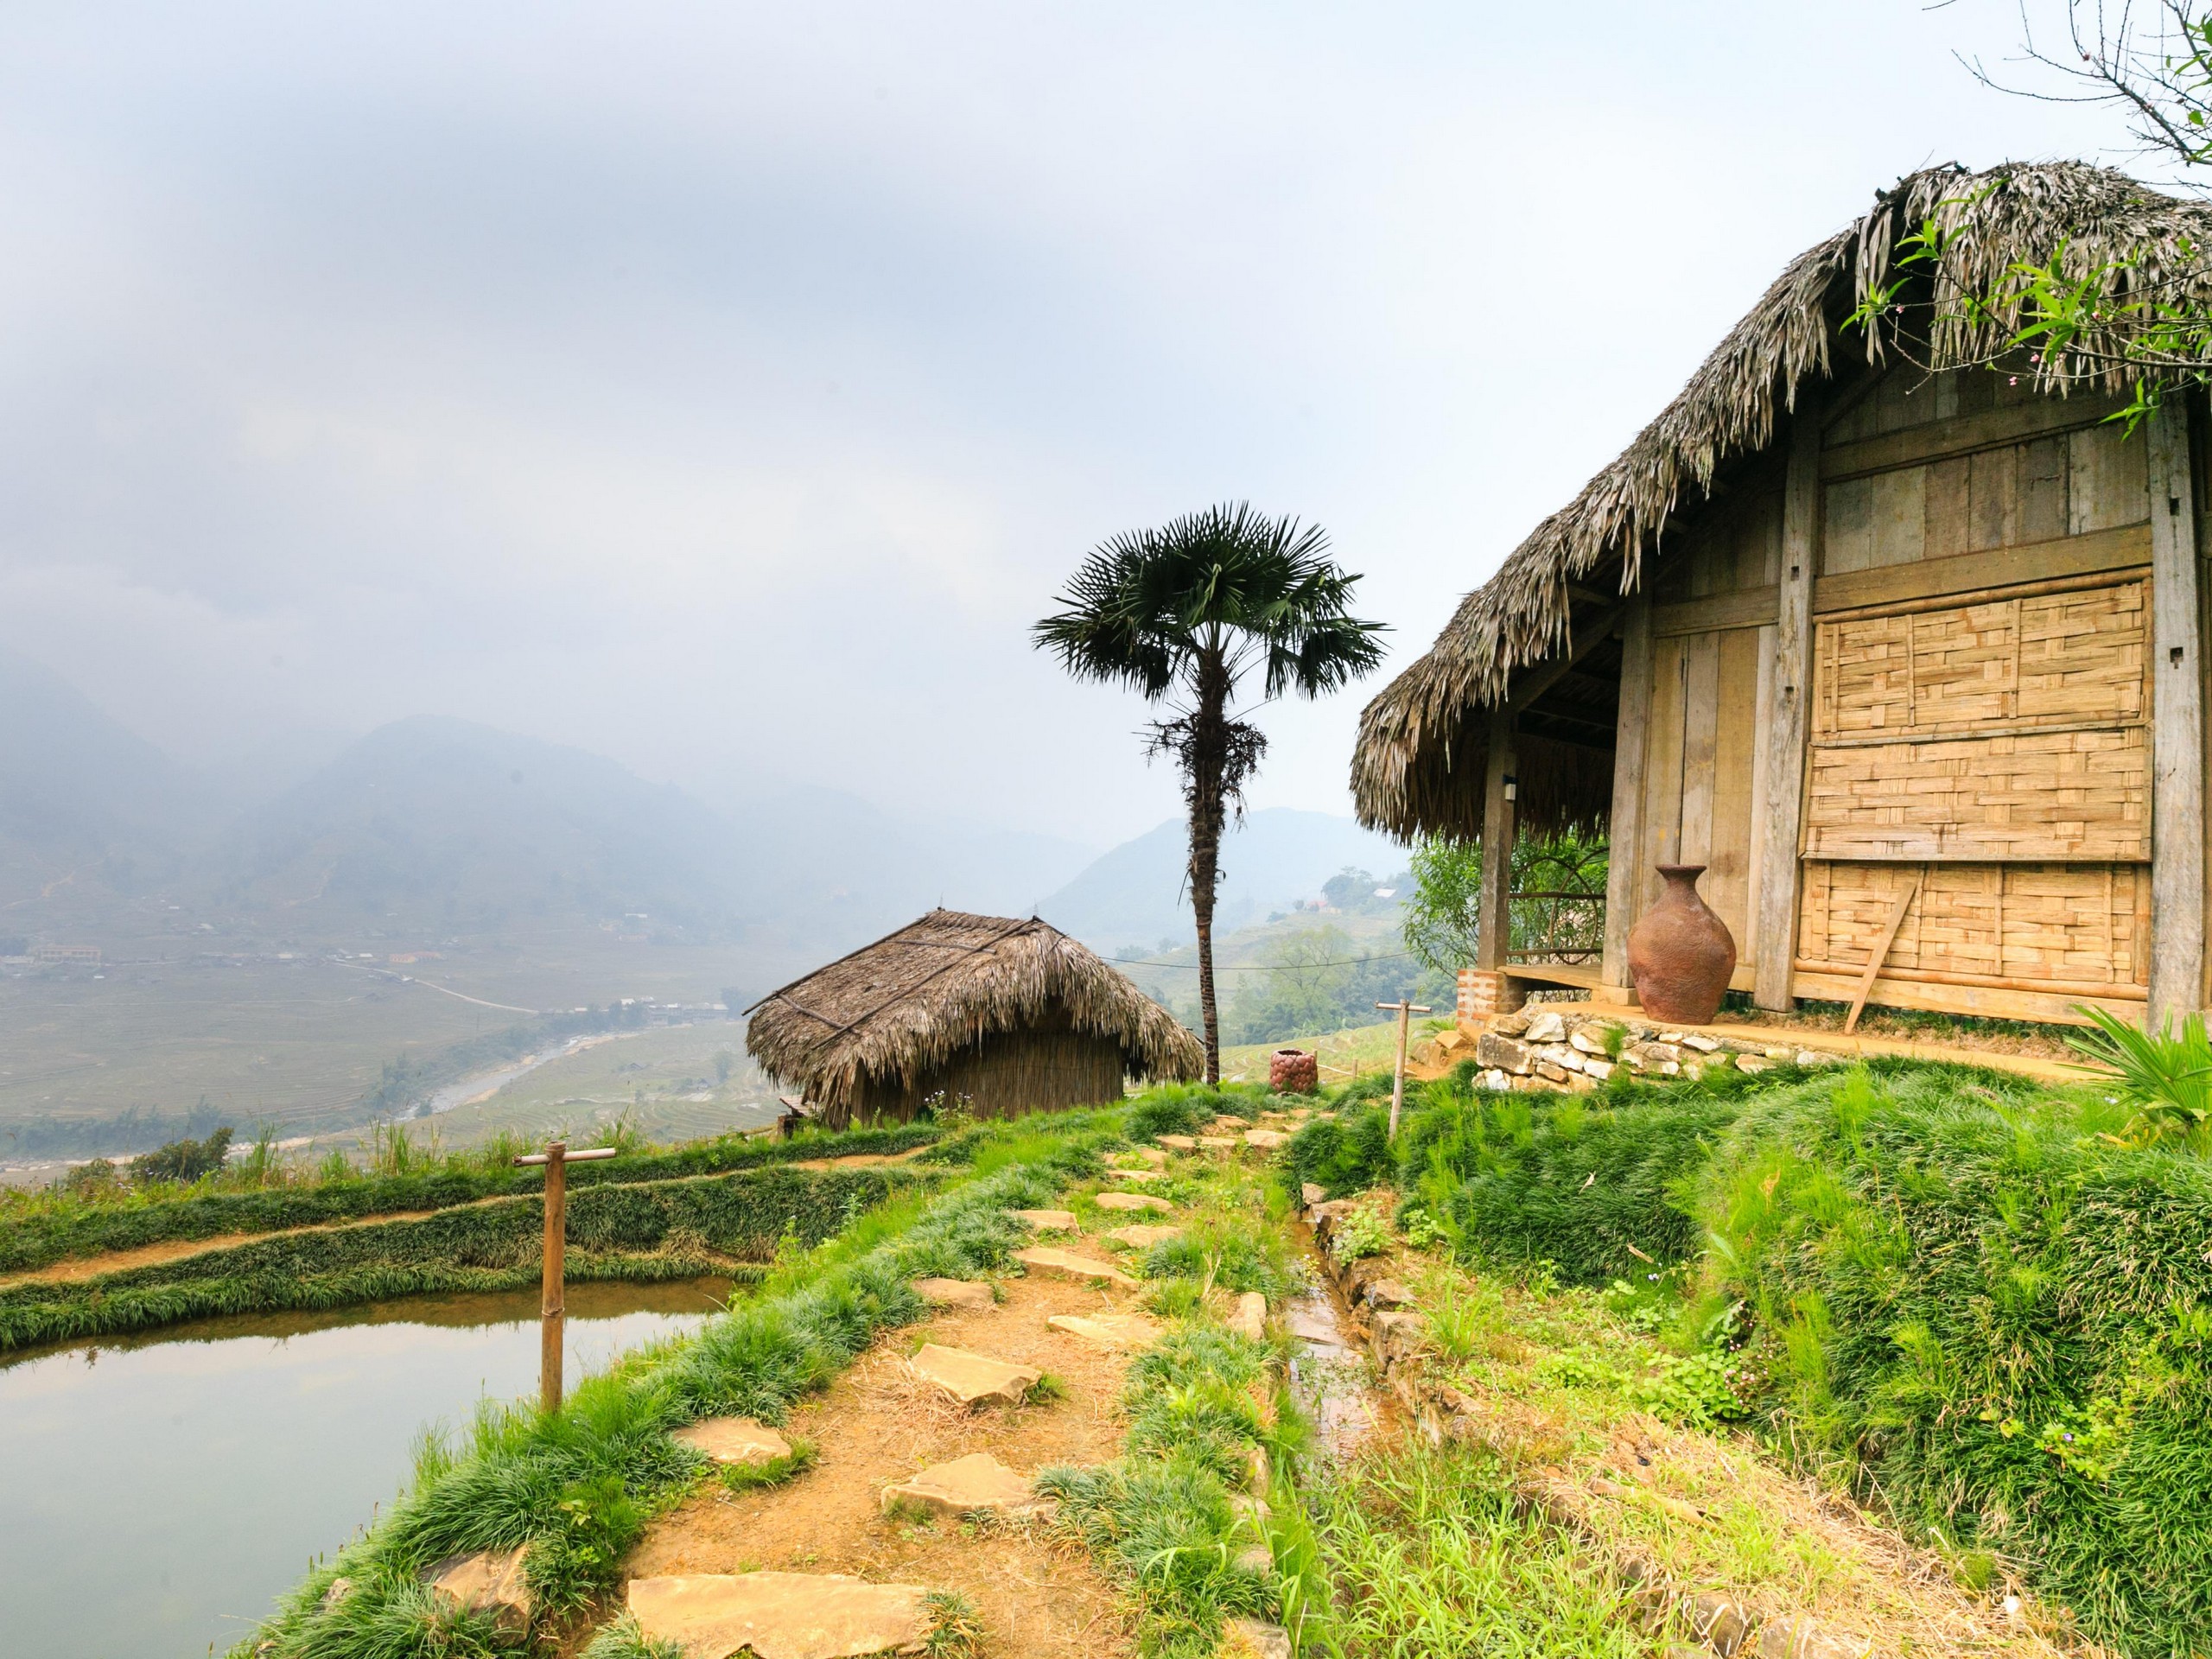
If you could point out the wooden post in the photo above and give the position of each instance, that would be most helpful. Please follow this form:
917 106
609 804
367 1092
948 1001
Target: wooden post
1623 871
1494 912
552 1299
2177 725
1775 929
1406 1011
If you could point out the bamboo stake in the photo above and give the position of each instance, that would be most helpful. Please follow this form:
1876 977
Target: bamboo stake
1405 1011
552 1299
1881 950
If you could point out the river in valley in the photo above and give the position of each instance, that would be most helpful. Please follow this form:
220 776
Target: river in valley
157 1494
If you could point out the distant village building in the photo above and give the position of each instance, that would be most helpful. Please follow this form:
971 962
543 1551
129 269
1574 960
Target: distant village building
73 955
1908 652
995 1015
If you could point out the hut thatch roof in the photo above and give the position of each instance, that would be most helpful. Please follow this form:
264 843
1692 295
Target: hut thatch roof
907 1004
1418 765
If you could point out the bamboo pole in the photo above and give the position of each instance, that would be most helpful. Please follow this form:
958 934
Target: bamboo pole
1406 1011
552 1299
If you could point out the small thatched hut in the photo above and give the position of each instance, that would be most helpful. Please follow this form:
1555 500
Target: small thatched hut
1004 1016
1895 632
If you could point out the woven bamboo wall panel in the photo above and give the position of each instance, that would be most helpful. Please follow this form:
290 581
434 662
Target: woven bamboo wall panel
2029 796
2046 659
2030 926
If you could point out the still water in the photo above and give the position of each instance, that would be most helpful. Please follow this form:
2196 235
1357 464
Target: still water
157 1494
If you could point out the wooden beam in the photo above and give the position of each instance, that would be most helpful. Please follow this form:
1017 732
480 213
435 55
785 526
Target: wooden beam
1938 440
1632 728
2177 728
1494 909
1889 936
1775 932
1755 608
2068 556
1543 676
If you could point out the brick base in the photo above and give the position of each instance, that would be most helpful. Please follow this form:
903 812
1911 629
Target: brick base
1483 993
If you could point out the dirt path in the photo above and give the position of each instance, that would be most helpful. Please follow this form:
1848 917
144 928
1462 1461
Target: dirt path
1036 1595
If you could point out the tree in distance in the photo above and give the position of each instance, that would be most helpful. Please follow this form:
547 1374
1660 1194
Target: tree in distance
1183 614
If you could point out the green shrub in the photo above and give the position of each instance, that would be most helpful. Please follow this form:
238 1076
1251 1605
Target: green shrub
1977 1293
183 1160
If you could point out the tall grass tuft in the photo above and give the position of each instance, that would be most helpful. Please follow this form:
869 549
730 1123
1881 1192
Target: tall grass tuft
2167 1079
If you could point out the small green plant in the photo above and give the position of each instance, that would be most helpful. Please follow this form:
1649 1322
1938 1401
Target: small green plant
1045 1390
750 1476
1696 1390
956 1628
1364 1230
2166 1078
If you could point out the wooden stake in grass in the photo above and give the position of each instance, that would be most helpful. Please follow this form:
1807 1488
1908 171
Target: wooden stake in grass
1405 1011
552 1304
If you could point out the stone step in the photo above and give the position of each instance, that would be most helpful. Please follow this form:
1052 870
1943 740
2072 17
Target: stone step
1266 1140
1150 1155
1118 1331
1134 1201
781 1615
1066 1264
1142 1176
1250 1318
1252 1638
735 1440
977 1484
1141 1238
1047 1221
1177 1142
973 1379
1217 1144
494 1581
968 1294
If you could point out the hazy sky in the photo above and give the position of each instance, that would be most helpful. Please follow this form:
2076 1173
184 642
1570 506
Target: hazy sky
725 387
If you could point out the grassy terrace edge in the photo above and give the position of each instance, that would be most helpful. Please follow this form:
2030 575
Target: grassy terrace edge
578 1485
59 1229
688 1227
1982 1304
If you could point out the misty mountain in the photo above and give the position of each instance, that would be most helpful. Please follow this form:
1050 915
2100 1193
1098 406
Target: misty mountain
441 825
458 827
88 808
1135 894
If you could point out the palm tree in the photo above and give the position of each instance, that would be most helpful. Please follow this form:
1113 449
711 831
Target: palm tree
1183 613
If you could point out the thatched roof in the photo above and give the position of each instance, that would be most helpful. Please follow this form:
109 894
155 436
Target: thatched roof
897 1010
1418 767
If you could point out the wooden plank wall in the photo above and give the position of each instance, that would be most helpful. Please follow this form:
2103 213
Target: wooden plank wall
1711 693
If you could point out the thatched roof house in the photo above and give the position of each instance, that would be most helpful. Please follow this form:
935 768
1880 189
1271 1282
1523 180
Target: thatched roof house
1011 1016
1859 613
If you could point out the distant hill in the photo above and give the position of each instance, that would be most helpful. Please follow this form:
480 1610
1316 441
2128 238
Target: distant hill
433 825
89 810
1135 894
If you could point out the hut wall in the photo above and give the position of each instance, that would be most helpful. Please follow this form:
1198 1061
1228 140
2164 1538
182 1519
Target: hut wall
1981 715
1009 1073
1713 650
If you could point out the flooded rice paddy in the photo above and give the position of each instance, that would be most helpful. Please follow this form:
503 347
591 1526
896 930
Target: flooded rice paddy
157 1494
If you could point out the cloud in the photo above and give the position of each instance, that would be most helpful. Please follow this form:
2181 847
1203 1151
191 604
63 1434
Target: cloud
726 388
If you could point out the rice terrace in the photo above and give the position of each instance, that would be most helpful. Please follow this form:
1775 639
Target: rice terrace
991 833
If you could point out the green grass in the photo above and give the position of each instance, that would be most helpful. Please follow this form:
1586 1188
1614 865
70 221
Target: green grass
1433 1556
579 1485
38 1229
663 1229
1982 1302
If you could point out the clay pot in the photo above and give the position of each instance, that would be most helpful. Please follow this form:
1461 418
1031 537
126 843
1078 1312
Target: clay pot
1294 1071
1680 954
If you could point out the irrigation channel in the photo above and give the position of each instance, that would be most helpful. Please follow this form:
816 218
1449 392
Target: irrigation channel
157 1494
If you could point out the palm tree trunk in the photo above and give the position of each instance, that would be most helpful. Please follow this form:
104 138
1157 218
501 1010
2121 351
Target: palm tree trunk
1208 757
